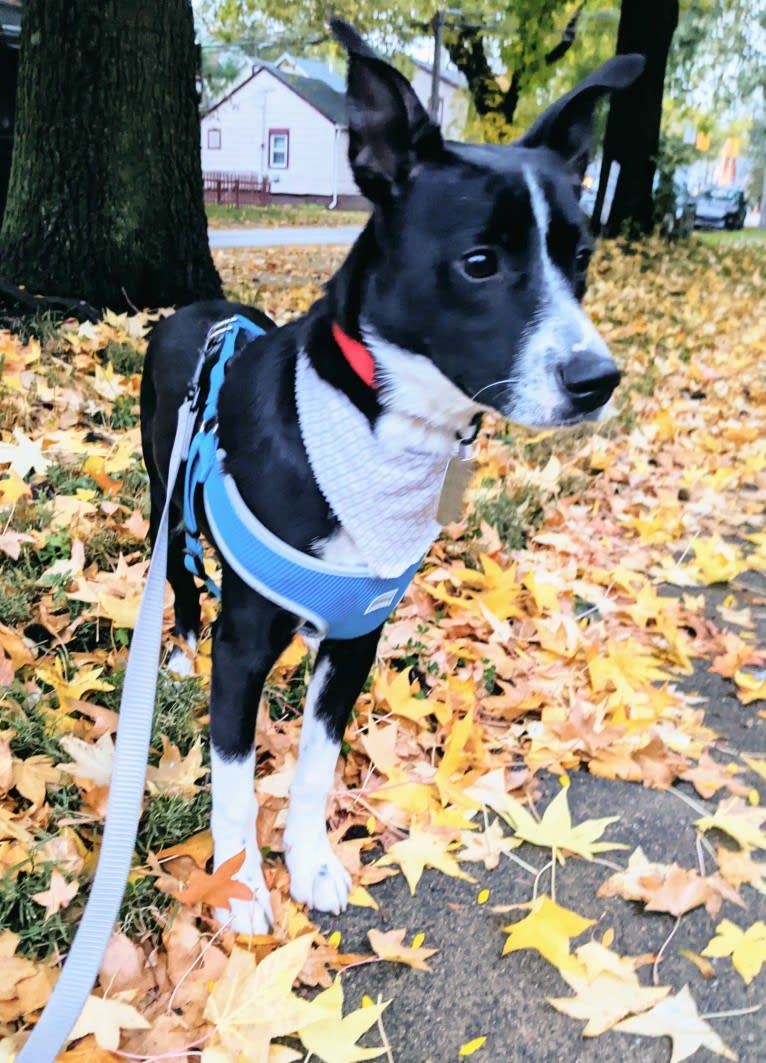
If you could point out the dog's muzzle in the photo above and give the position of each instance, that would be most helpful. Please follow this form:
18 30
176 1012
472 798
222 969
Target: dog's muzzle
588 379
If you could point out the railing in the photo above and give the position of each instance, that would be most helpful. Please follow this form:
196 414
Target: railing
236 189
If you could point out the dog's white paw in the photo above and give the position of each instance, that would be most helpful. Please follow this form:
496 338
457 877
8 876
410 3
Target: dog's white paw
317 878
252 916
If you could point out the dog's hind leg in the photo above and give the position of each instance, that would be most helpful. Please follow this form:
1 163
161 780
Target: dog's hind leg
317 877
249 636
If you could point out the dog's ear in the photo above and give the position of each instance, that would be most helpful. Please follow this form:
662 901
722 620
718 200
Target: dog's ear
567 126
389 130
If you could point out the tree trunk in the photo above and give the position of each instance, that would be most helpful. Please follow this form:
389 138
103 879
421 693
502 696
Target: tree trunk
105 199
633 128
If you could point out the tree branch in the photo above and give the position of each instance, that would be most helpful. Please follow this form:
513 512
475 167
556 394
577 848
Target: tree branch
567 38
32 303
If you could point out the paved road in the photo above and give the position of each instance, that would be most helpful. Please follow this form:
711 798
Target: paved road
474 991
319 234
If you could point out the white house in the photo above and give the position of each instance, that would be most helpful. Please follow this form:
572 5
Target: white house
286 122
284 127
453 97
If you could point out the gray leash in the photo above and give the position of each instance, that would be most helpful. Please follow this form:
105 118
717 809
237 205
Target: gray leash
125 792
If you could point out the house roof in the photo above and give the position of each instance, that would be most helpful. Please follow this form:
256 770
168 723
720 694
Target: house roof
330 103
452 77
312 68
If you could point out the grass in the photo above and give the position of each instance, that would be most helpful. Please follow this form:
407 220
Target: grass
275 215
725 238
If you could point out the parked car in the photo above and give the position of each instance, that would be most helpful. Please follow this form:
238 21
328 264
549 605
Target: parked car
720 208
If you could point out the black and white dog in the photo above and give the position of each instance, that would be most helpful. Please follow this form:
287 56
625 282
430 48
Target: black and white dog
461 295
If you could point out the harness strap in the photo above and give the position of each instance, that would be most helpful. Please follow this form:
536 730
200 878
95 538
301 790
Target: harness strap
337 601
125 793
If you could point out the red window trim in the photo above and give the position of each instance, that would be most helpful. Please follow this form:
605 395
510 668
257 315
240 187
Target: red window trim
214 147
285 133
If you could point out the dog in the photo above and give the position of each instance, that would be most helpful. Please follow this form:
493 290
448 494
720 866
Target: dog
461 295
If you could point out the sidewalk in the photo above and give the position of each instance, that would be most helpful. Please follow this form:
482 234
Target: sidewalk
287 237
475 991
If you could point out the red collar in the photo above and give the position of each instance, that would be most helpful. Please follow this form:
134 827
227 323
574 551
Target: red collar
357 356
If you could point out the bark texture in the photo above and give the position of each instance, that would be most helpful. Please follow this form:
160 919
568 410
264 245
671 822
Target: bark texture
632 135
105 199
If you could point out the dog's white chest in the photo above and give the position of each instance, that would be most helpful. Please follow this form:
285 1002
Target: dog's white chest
383 491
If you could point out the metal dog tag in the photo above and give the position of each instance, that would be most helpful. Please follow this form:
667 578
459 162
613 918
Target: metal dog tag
457 476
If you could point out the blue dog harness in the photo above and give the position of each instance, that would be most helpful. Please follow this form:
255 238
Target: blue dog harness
338 601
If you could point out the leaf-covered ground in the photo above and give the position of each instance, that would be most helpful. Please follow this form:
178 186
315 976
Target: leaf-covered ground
598 613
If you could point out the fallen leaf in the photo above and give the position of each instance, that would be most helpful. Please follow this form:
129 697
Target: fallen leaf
677 1017
547 929
218 889
747 948
105 1019
333 1037
390 946
58 895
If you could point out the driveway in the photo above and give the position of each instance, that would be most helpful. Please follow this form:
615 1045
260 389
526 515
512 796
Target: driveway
278 237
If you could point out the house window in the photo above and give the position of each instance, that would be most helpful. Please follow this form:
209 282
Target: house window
214 138
279 149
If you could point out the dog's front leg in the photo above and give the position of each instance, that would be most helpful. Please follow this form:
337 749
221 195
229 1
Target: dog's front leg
249 636
317 877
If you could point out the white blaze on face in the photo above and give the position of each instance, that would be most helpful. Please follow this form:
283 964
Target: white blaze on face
559 330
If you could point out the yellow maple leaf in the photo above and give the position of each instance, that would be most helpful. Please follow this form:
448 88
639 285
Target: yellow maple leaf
556 831
251 1003
423 849
747 948
93 761
390 946
738 820
332 1036
677 1017
105 1019
547 929
31 776
176 774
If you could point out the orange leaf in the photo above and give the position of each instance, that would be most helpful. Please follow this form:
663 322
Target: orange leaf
216 889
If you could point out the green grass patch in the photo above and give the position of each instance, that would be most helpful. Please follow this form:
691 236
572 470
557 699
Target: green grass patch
512 513
725 238
283 214
180 704
144 910
168 820
124 358
38 936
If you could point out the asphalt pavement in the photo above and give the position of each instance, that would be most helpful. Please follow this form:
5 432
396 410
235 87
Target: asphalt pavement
474 991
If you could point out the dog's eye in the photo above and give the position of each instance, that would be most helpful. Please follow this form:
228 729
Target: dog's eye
582 258
480 263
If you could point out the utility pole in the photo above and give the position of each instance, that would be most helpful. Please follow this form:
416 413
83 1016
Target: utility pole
437 25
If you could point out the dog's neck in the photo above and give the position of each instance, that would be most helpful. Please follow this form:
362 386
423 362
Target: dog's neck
401 393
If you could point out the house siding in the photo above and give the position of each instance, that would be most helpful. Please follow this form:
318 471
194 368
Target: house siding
455 103
245 118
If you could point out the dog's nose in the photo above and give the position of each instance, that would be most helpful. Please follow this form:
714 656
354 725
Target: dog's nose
589 379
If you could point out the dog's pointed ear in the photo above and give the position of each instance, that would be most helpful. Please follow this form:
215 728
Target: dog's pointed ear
567 126
389 130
